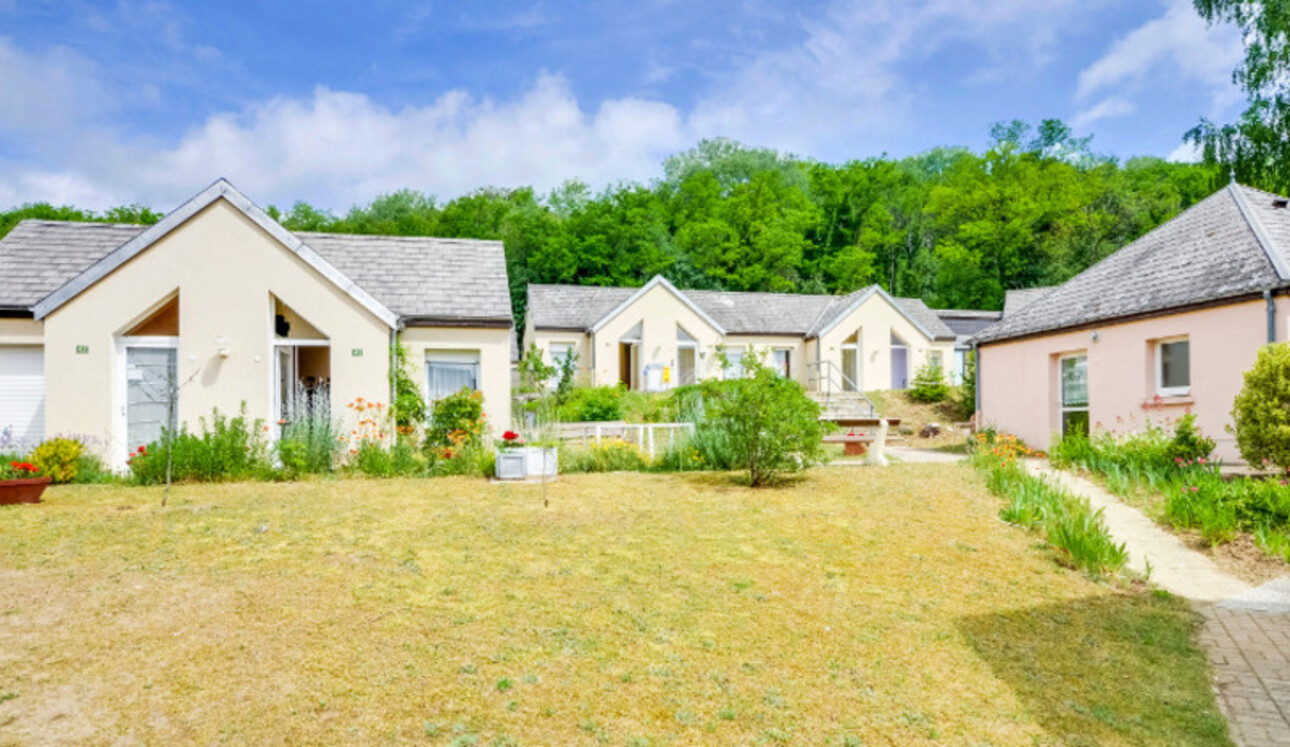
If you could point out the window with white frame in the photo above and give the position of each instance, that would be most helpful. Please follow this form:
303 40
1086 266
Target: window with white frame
1073 373
450 371
734 363
1173 367
935 360
560 351
783 362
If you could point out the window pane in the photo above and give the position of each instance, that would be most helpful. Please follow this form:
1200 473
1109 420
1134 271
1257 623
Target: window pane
1175 364
1075 381
781 363
448 372
1075 422
735 369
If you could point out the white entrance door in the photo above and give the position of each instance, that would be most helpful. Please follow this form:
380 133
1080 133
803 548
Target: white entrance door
22 396
150 382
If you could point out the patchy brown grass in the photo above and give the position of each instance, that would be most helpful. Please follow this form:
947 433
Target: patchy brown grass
914 415
876 606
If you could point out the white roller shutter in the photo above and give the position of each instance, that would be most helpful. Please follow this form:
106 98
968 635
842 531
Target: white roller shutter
22 393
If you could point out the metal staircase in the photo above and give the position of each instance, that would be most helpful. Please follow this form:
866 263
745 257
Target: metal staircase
840 400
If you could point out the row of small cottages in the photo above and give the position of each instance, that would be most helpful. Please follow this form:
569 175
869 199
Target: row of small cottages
217 301
218 307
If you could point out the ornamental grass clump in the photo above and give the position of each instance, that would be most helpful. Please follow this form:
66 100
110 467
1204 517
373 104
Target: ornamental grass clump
1066 521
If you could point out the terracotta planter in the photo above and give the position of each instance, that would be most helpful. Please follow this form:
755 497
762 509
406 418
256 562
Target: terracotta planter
27 490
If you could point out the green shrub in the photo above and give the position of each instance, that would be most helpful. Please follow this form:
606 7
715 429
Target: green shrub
59 459
611 455
409 408
929 385
592 404
471 459
225 449
90 470
456 420
535 372
308 445
1188 443
708 447
1261 413
772 425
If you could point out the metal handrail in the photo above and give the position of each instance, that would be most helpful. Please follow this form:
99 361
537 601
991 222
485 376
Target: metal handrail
827 374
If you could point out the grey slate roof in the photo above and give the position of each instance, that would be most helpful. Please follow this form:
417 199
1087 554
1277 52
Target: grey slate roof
416 277
965 322
1210 252
761 313
580 307
1016 300
38 256
420 277
926 317
572 306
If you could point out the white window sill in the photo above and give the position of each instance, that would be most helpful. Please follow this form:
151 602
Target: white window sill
1169 400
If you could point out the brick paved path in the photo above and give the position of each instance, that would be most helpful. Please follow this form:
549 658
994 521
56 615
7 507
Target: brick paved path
1247 630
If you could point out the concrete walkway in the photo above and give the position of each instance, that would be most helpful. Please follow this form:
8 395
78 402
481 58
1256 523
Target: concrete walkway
1247 629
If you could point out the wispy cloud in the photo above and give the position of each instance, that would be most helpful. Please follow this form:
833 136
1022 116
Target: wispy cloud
1176 48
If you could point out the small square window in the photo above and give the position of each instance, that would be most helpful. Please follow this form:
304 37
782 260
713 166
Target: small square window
1173 367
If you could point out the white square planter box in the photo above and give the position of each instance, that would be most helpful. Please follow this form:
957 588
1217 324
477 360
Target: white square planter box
527 462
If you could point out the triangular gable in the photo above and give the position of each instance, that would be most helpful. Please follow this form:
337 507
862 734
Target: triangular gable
220 189
657 281
865 295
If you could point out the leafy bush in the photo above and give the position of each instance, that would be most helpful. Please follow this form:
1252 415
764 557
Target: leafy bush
612 455
1188 443
1067 522
963 397
1200 498
226 449
309 443
59 459
457 419
409 409
1150 457
772 425
471 459
1261 413
592 404
535 372
929 385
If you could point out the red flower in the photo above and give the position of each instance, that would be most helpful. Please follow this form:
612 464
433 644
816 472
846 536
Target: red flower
510 436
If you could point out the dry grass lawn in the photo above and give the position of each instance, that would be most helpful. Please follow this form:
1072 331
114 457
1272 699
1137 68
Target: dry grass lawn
858 606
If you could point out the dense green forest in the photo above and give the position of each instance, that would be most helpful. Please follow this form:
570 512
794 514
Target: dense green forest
951 226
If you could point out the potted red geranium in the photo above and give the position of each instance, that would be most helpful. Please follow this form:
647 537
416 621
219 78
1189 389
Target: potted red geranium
519 460
21 482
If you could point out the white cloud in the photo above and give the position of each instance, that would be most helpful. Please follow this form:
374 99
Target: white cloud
1185 153
337 148
848 81
1108 108
1178 47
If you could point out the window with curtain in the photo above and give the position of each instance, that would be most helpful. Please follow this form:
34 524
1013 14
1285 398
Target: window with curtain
448 372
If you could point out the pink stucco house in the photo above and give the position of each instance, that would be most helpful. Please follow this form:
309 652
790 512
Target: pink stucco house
1166 325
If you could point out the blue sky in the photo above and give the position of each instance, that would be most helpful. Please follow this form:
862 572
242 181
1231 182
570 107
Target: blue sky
103 103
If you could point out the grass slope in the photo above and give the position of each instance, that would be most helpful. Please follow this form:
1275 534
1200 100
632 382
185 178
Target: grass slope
854 607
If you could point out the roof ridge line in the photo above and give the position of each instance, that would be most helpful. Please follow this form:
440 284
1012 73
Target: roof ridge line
1279 265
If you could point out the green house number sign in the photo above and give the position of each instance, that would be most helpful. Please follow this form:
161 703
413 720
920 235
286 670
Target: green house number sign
356 352
82 349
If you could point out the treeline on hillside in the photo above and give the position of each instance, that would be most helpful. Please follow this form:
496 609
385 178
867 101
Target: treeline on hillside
951 226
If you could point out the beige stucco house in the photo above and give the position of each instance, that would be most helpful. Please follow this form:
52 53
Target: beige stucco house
658 337
1167 325
97 321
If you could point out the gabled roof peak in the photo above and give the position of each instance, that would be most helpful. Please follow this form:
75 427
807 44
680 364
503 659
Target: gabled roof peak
219 189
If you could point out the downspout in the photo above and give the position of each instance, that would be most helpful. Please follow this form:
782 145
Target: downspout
1272 315
394 341
976 379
